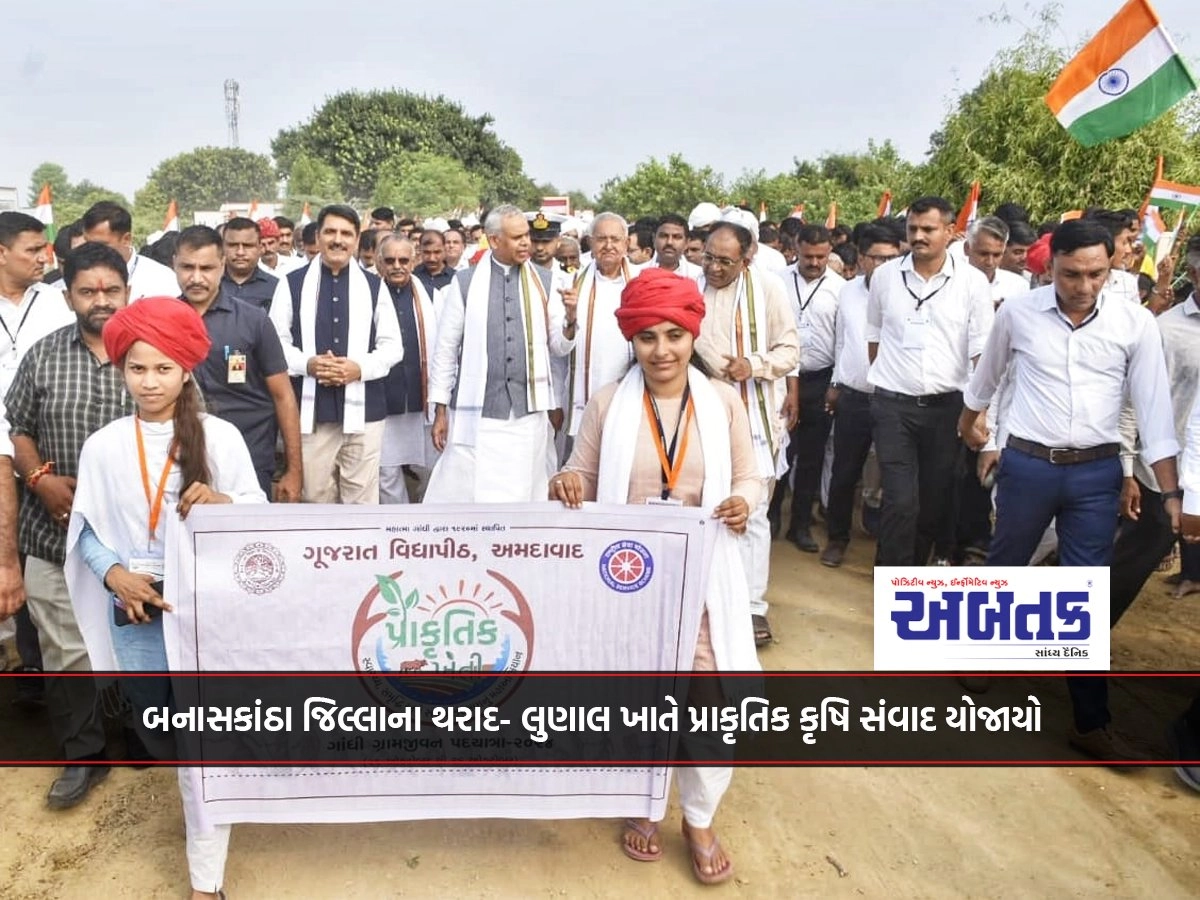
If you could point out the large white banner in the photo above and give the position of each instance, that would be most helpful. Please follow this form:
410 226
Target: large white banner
423 589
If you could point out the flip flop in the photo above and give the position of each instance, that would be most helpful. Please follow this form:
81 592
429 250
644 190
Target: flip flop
762 631
699 851
649 833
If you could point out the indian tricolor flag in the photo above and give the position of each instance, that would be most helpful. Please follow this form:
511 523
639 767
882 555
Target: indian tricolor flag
1177 196
305 215
970 210
1127 76
44 212
171 222
885 205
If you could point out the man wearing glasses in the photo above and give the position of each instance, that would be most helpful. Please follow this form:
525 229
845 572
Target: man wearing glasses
749 338
848 399
407 446
928 317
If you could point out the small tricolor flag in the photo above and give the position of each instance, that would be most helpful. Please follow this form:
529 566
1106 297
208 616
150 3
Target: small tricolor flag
1175 196
44 212
797 212
831 219
171 222
970 209
1127 76
885 205
1153 229
762 211
305 215
252 215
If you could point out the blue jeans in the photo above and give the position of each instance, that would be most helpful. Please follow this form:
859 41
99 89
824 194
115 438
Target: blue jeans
1084 500
140 648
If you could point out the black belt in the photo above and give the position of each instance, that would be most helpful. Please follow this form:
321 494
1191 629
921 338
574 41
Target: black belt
950 397
1063 456
817 375
851 392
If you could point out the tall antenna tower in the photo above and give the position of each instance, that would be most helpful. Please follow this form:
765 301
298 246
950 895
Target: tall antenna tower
231 110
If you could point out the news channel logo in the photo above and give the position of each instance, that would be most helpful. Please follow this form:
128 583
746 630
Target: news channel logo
992 618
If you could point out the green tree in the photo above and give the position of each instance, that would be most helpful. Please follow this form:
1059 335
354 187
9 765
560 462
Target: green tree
358 132
149 211
424 184
52 174
1004 135
655 188
206 177
311 181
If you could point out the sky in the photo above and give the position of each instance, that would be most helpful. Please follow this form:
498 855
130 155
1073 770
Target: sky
582 91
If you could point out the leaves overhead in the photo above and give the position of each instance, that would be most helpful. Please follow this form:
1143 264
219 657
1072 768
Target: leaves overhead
358 133
425 184
204 178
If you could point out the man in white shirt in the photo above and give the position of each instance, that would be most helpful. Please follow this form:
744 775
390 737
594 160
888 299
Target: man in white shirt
812 292
456 245
969 527
110 223
1073 351
848 399
670 245
29 310
601 354
928 316
1123 227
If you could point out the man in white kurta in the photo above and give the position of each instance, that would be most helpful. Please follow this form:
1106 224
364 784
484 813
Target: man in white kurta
109 223
749 338
601 355
490 379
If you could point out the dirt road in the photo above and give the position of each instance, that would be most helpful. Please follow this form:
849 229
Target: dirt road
826 833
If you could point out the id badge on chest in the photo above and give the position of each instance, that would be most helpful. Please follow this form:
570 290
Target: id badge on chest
148 565
806 332
236 369
916 330
9 363
658 501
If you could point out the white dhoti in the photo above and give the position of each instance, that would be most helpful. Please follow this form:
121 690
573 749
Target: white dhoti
511 462
407 441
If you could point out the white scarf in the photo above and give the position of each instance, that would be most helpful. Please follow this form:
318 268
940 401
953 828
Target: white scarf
426 315
727 598
472 378
579 377
750 320
361 313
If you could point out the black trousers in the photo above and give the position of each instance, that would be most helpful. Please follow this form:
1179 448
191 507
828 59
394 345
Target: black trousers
973 513
917 448
808 445
851 444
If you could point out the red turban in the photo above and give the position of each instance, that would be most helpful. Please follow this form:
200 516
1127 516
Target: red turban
657 295
267 228
168 324
1037 259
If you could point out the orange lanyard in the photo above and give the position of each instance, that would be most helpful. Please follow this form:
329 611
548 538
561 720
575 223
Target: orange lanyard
155 505
670 460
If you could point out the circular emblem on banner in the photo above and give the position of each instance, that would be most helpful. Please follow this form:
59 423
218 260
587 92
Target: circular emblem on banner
407 629
626 566
259 568
1114 82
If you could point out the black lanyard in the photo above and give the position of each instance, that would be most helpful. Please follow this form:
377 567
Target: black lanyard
807 303
13 337
669 474
922 300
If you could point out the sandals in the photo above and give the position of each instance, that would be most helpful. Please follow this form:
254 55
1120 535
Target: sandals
700 852
650 833
762 631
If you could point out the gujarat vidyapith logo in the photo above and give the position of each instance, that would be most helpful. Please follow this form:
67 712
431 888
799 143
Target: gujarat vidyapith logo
259 568
473 627
626 566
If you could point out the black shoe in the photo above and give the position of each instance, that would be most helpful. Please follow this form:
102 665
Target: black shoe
802 539
73 785
835 552
29 690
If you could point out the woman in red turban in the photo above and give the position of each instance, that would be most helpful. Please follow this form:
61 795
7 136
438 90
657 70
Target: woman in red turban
668 435
131 473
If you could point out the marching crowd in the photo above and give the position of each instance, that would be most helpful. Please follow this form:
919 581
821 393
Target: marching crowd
995 397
